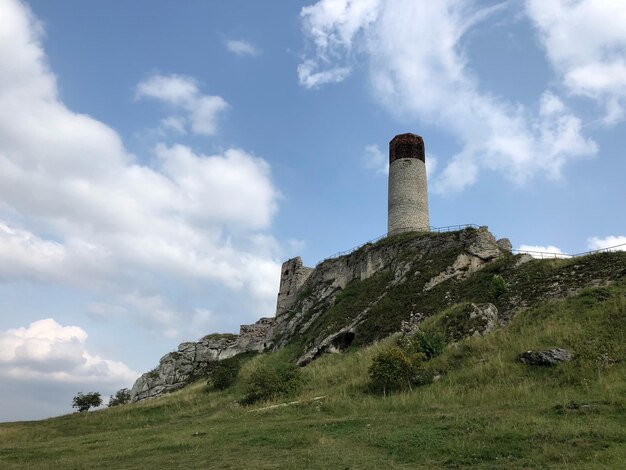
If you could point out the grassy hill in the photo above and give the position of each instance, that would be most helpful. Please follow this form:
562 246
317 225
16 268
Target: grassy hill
487 410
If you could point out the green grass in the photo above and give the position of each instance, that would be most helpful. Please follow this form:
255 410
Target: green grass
487 410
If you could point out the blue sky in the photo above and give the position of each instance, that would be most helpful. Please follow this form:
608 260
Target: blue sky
159 159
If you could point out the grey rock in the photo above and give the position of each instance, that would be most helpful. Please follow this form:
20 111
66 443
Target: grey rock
505 245
412 324
477 320
484 245
192 359
522 259
546 358
318 293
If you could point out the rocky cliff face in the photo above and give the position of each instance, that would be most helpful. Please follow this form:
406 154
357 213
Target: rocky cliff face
192 359
307 298
337 302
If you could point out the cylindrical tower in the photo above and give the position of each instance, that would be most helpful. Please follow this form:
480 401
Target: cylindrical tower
408 195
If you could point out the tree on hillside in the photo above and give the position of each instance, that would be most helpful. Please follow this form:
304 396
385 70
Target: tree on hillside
84 401
121 397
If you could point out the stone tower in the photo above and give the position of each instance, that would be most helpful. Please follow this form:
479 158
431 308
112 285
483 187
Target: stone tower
408 195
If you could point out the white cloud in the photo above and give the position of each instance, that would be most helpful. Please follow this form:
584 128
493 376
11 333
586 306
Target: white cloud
182 93
543 252
174 123
46 350
617 243
585 41
79 209
422 72
242 48
310 77
376 160
345 18
173 89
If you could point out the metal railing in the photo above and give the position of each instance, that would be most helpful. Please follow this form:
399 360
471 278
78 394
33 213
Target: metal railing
454 228
542 254
447 228
553 255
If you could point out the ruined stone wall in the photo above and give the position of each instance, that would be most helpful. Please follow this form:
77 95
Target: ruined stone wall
255 337
292 276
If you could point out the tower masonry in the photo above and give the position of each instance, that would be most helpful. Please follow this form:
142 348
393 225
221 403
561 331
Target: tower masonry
408 194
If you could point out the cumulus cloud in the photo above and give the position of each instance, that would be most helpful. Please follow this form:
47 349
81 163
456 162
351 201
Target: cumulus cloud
47 350
542 252
241 48
376 160
422 72
182 93
310 76
615 243
585 42
79 209
45 363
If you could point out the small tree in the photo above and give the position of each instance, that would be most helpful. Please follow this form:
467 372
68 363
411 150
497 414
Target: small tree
84 401
121 397
498 286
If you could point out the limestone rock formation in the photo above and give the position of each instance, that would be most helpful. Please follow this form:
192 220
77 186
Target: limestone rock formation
192 359
471 320
426 260
546 358
505 244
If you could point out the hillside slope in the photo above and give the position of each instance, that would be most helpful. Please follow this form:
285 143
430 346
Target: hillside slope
366 295
488 410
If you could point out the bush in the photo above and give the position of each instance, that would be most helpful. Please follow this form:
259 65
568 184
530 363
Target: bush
402 366
498 286
398 369
224 375
84 401
429 343
267 382
121 397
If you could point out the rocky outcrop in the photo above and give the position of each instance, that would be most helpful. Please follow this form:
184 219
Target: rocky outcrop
193 359
505 245
402 258
471 320
545 358
391 286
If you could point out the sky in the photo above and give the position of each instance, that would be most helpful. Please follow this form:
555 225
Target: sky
159 160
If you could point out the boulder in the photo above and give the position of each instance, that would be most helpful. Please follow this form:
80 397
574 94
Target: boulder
546 357
471 320
483 245
505 245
